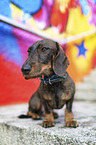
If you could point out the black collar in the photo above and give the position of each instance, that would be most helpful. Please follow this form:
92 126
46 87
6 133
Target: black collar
53 79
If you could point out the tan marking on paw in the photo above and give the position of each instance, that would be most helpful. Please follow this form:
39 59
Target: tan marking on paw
34 115
48 120
69 119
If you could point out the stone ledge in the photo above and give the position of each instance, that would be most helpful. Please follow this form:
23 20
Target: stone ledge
85 86
90 79
89 95
14 131
85 91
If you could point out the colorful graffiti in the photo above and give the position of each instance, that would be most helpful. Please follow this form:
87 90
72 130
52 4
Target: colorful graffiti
60 20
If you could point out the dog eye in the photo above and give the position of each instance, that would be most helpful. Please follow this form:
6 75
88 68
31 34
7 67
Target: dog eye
29 50
44 49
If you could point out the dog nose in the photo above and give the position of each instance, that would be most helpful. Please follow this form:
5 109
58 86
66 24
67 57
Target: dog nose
26 69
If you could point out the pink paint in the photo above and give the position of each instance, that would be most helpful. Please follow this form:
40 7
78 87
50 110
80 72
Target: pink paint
41 18
25 40
93 8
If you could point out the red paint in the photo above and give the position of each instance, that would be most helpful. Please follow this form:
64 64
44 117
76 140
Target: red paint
58 19
13 87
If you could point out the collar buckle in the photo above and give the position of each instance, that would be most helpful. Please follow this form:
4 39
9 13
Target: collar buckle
50 82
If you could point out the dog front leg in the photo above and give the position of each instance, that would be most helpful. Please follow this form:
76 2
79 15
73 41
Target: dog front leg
49 119
69 118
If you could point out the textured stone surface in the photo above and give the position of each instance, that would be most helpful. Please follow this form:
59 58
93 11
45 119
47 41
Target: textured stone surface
14 131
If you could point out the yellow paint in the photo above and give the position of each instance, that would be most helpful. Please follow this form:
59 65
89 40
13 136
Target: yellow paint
77 22
16 13
63 4
79 64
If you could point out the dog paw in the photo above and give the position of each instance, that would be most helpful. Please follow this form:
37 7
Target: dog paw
36 117
73 124
47 124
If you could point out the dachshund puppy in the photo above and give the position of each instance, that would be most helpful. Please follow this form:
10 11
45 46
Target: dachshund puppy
47 60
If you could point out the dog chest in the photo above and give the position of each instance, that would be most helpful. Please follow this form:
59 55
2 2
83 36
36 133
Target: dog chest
54 95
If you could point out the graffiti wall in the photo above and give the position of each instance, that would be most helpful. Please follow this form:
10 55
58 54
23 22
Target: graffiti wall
72 23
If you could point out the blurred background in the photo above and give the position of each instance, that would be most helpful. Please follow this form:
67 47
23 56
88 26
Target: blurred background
72 23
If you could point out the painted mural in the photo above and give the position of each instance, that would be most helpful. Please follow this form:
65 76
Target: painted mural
61 20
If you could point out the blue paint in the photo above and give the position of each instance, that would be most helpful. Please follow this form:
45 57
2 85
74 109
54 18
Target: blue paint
5 9
9 47
25 17
84 6
28 6
82 49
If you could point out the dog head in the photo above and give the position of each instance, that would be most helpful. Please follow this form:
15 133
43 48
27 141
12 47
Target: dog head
44 58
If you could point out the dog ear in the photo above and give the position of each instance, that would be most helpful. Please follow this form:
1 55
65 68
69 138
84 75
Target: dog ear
60 62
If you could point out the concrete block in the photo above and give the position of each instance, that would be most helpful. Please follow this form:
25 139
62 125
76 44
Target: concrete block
90 80
93 72
88 95
85 86
15 131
